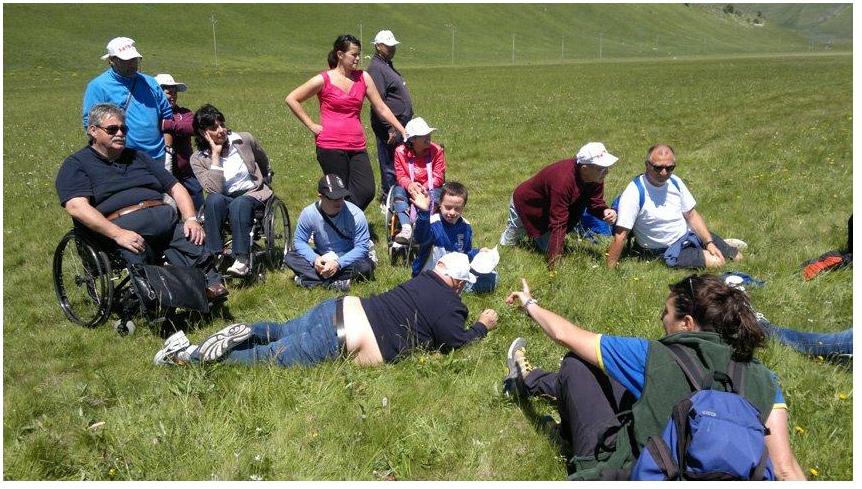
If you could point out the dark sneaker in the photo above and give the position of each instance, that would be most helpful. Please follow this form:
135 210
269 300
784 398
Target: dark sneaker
218 345
519 367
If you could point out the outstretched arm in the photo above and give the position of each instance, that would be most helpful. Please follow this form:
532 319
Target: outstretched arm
616 247
778 445
559 329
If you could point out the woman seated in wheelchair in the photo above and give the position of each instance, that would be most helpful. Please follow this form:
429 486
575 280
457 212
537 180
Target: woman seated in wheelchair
231 167
420 166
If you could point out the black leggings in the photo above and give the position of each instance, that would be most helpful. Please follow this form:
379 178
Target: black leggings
354 168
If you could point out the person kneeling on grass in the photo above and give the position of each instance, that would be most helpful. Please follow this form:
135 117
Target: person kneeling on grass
424 312
604 375
342 243
446 231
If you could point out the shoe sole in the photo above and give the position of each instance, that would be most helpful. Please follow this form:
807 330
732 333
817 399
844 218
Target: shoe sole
234 273
216 346
401 240
172 346
511 378
820 266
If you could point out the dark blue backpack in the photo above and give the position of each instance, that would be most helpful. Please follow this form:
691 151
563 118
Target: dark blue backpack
711 435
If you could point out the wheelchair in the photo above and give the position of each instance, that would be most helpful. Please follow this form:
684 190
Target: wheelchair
91 283
398 253
270 237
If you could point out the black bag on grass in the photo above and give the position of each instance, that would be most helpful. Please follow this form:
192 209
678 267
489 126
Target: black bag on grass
163 287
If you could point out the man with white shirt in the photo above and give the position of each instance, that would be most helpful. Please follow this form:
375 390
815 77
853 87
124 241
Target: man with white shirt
658 207
341 240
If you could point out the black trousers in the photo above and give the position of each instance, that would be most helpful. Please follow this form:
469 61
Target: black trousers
588 401
354 168
362 269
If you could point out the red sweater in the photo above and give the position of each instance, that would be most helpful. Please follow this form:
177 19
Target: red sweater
554 199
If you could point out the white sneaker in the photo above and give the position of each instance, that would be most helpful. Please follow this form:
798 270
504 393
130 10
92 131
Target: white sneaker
511 236
405 234
239 268
737 243
372 253
219 344
175 343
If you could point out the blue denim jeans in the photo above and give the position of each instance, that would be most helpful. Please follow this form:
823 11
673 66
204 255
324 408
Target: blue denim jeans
307 340
401 202
485 282
386 159
241 212
817 344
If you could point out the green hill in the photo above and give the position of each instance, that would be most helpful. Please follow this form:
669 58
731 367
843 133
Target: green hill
287 37
820 21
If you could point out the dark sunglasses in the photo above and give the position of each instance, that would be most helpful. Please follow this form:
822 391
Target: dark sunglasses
658 168
114 128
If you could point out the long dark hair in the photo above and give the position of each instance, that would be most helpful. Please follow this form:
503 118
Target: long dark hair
205 117
722 309
342 43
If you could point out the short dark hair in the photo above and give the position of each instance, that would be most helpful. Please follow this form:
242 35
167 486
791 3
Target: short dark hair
719 308
455 189
205 117
342 43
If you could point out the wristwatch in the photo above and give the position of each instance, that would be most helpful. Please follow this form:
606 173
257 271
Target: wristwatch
530 301
193 218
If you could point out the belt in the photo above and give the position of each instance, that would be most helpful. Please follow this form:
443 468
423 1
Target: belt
144 204
339 325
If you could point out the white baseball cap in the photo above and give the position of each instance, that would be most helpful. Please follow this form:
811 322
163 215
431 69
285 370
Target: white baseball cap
166 80
123 48
385 37
418 127
595 154
457 267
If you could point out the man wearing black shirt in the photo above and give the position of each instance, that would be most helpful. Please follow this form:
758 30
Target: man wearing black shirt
116 194
425 312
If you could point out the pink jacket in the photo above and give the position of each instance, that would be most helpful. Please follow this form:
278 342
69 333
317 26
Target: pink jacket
404 157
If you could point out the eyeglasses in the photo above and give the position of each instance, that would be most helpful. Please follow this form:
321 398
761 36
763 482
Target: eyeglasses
659 168
115 128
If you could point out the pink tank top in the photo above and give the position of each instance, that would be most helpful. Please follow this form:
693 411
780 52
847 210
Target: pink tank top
339 115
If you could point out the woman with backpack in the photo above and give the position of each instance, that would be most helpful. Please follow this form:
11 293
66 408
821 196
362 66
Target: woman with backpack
614 393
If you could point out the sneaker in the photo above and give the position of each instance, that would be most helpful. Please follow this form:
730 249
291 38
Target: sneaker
239 268
510 236
340 285
737 243
405 234
372 253
519 367
216 346
825 262
174 344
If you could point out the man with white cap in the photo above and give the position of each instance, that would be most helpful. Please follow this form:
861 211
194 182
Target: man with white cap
659 208
137 94
425 312
178 132
549 205
393 91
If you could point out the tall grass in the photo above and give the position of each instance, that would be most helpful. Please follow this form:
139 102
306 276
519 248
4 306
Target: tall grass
764 144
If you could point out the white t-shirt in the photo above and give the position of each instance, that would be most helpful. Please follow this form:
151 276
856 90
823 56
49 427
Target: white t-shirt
237 180
660 222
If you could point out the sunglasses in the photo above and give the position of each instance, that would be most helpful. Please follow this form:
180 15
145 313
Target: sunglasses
658 168
115 128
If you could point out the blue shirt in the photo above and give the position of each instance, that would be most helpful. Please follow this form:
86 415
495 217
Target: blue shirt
111 185
350 221
144 115
436 237
624 359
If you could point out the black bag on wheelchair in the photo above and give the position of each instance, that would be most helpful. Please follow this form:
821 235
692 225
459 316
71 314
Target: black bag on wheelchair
163 287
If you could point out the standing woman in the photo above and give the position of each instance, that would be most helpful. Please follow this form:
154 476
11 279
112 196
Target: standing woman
340 138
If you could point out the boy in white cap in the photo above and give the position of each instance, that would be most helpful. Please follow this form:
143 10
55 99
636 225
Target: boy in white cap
549 205
139 95
420 166
425 312
393 91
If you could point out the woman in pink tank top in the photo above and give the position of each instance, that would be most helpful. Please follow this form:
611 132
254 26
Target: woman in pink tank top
340 137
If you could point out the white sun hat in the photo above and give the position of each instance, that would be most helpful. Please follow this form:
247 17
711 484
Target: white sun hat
166 80
418 127
457 266
595 154
385 37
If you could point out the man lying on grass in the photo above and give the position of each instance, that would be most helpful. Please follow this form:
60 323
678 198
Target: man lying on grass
424 312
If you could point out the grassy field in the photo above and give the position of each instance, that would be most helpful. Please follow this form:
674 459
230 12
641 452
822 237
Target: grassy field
764 143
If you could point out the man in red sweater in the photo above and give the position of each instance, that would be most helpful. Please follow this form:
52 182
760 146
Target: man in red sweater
549 205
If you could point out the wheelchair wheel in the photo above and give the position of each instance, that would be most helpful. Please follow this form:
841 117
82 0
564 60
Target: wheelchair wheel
82 281
276 227
391 218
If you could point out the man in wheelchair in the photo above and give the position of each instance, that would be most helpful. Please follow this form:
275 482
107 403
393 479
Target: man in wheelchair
115 195
341 240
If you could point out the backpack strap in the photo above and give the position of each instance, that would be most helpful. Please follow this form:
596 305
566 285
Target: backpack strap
641 192
662 457
675 182
735 371
689 364
329 221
